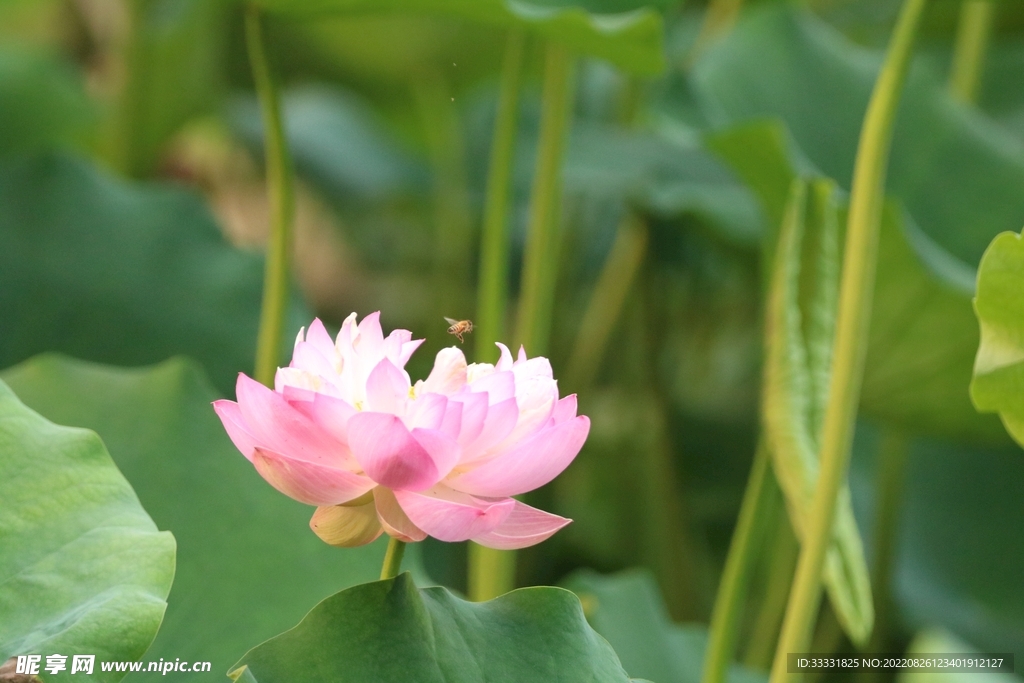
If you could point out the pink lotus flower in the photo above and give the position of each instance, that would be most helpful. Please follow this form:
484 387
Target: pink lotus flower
346 430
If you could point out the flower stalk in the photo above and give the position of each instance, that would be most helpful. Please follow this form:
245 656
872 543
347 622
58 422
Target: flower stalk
392 559
280 196
854 315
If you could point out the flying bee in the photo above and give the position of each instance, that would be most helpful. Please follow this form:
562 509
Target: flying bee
459 328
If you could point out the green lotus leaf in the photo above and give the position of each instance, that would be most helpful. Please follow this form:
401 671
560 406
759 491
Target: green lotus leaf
998 384
393 631
84 570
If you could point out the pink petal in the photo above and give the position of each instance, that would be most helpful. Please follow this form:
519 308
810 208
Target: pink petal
389 454
536 398
529 465
407 350
448 374
399 346
451 423
474 413
309 482
280 427
443 449
505 362
501 420
499 386
393 518
524 527
449 515
318 337
565 409
234 425
426 411
387 389
309 358
347 332
539 368
294 394
331 415
370 343
346 526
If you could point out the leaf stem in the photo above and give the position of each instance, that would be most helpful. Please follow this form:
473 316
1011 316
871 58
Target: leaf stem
739 565
492 297
392 559
854 315
972 36
281 200
537 299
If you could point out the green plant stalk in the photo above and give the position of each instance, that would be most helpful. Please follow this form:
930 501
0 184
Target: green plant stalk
124 134
392 559
493 571
893 454
538 279
739 566
972 37
854 315
489 569
492 294
282 205
607 301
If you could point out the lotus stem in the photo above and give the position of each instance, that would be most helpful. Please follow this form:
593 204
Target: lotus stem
281 201
392 559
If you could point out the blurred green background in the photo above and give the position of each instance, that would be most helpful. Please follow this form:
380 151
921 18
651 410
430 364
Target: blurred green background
133 214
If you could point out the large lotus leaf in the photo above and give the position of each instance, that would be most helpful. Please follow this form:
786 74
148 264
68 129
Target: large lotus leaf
42 103
662 176
631 40
960 547
958 173
248 565
627 609
393 631
84 569
998 384
922 339
123 273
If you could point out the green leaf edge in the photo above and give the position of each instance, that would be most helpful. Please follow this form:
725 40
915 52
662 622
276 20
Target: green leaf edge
632 40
